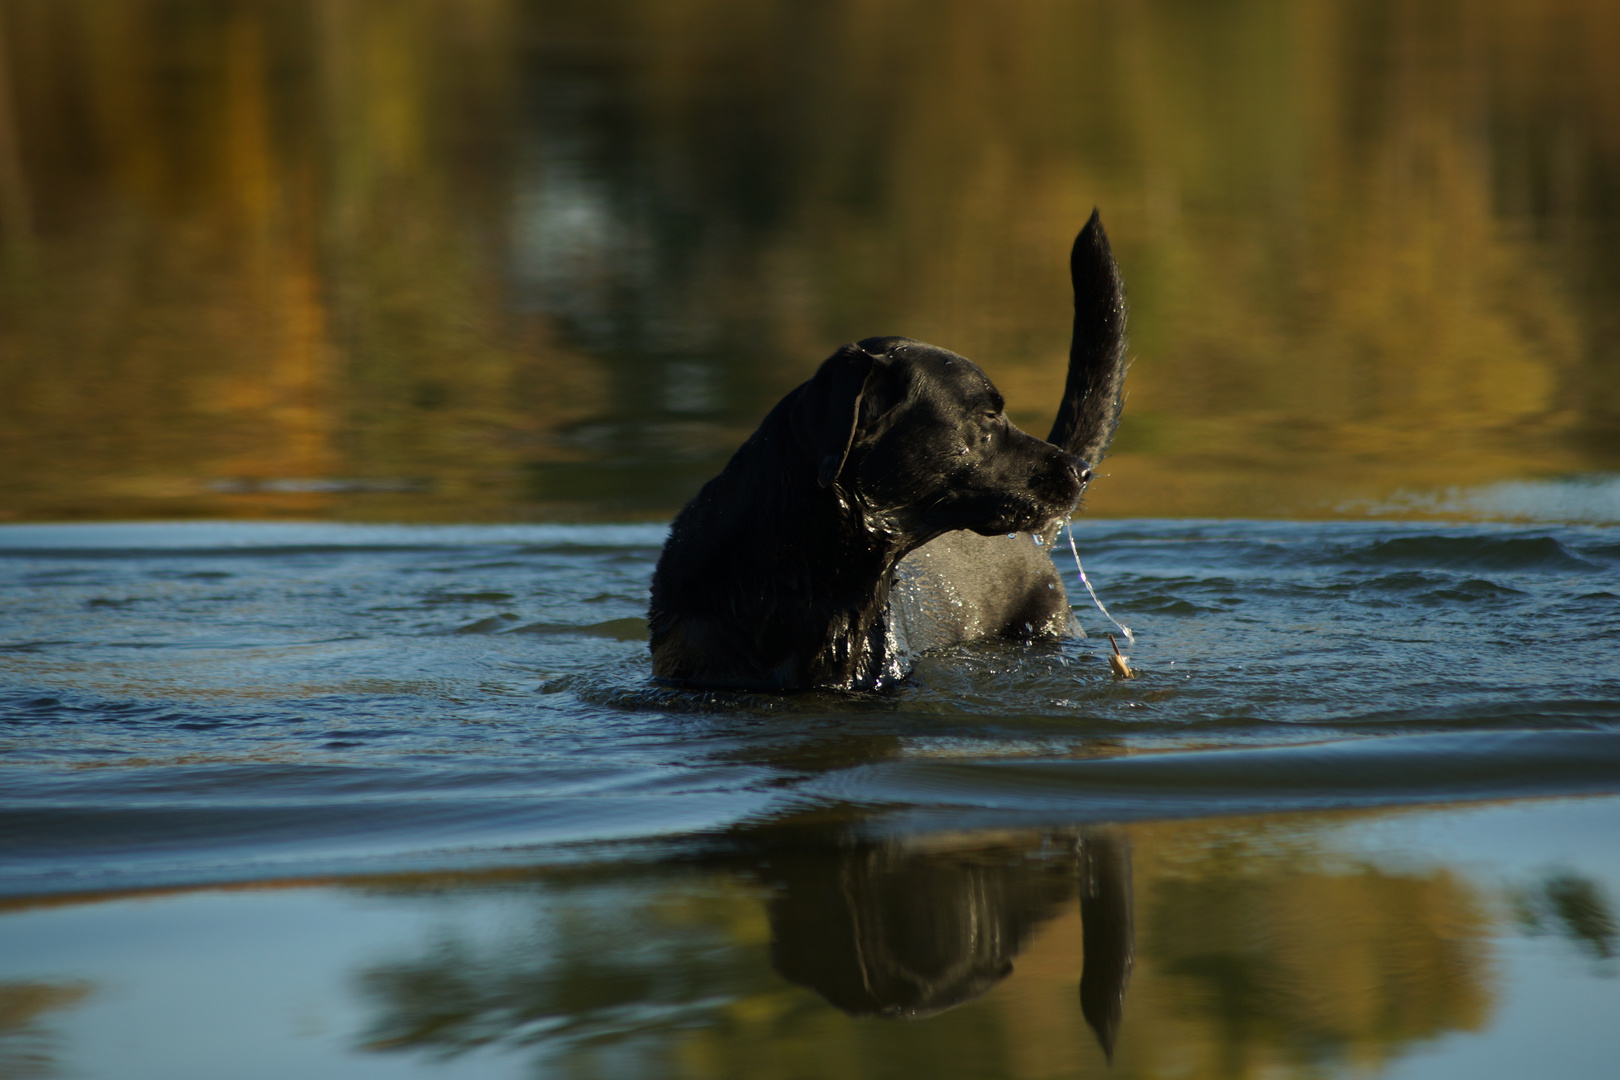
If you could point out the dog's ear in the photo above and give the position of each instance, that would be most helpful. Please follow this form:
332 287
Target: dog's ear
829 407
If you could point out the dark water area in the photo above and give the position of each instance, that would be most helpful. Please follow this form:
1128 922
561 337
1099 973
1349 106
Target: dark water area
1357 811
354 355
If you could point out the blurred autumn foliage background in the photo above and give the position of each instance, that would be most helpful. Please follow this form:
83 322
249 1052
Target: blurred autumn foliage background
505 259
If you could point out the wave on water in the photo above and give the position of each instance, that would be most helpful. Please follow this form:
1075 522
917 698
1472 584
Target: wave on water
330 696
1409 768
1525 553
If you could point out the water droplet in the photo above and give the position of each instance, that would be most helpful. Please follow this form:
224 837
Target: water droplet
1130 637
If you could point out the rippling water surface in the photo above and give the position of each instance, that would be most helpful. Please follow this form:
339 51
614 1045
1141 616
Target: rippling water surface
212 700
532 854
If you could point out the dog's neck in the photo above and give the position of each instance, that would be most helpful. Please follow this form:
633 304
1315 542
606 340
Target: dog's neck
847 595
792 582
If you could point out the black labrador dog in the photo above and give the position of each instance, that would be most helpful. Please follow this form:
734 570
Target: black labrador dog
884 507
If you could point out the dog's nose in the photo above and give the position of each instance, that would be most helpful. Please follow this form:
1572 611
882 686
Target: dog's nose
1082 471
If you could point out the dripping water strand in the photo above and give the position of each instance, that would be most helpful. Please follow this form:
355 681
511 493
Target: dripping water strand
1068 527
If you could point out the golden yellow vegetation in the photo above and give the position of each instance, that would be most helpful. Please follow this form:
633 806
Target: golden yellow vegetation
482 259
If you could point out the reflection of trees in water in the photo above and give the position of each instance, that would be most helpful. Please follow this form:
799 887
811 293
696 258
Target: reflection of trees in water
1573 906
27 1047
475 241
1277 960
589 961
1252 959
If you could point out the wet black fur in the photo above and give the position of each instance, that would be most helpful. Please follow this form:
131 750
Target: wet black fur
778 574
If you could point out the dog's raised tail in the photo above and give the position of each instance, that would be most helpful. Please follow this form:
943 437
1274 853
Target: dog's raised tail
1095 388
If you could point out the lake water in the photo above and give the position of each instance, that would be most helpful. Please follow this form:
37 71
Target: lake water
344 800
355 354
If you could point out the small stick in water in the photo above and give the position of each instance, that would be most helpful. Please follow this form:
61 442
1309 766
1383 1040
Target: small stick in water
1122 670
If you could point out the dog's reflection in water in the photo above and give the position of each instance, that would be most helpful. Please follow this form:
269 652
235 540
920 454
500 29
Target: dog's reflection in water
887 930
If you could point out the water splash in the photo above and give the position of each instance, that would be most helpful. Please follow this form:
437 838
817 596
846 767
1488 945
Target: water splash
1068 527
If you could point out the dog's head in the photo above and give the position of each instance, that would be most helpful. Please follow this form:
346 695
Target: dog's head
919 436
